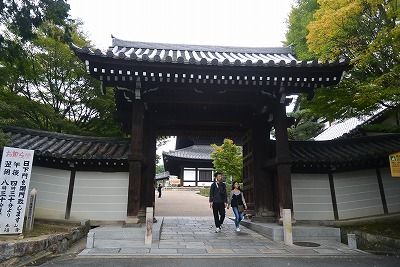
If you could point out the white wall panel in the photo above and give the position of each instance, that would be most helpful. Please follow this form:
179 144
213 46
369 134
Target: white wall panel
205 184
357 194
52 191
311 197
391 186
100 196
189 175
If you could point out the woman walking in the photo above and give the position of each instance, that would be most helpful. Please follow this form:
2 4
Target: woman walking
238 204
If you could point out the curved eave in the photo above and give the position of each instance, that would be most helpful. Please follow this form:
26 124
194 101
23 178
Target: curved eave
70 149
167 55
55 149
344 154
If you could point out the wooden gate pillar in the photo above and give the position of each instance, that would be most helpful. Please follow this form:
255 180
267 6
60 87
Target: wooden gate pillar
283 164
136 159
149 173
263 182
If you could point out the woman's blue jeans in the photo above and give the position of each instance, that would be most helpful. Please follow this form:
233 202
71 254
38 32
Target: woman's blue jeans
238 216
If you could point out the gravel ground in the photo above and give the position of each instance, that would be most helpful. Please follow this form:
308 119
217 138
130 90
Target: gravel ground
184 203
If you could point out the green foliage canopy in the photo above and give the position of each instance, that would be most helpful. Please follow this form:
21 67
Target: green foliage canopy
367 32
55 93
301 15
228 159
20 21
305 126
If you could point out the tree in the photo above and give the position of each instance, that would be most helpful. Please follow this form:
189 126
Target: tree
300 16
367 32
20 20
59 94
228 159
160 169
305 126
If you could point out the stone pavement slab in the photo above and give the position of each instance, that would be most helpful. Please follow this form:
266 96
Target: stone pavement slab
183 236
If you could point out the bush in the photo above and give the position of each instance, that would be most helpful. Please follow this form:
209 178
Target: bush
205 191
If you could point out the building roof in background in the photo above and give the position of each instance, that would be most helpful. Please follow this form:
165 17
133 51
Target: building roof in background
63 149
341 128
202 152
339 154
162 176
371 151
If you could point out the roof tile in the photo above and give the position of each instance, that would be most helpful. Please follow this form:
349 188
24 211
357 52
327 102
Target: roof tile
203 54
64 146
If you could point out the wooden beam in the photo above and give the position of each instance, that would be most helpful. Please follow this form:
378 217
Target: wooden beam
135 159
70 193
204 118
273 162
262 179
333 196
201 128
191 97
284 185
382 191
149 151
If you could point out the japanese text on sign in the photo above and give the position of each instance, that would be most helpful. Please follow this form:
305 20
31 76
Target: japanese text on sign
15 174
394 161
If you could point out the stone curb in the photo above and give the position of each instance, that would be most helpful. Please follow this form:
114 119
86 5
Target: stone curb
374 243
14 251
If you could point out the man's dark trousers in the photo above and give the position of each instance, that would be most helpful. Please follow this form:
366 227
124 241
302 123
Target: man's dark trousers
219 213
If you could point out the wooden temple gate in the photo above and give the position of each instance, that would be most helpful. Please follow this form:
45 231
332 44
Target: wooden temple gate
208 91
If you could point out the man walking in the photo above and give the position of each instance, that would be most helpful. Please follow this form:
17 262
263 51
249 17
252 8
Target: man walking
218 201
159 188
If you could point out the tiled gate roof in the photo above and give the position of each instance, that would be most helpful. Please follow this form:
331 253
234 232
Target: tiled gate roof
204 54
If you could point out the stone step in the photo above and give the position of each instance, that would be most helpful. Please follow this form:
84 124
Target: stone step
300 233
118 232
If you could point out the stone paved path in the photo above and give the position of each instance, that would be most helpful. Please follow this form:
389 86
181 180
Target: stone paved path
186 228
195 236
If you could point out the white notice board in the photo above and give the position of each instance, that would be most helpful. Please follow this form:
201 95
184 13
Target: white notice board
15 175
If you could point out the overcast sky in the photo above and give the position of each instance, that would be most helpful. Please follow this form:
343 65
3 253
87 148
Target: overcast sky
254 23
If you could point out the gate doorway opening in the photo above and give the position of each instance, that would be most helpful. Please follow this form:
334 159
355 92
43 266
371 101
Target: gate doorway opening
183 202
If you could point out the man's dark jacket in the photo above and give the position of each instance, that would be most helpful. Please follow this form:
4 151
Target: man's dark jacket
218 192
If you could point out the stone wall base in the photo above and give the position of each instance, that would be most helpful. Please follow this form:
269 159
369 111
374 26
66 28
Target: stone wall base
55 243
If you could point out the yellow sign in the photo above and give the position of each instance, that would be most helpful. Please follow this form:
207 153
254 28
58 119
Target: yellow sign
175 181
394 161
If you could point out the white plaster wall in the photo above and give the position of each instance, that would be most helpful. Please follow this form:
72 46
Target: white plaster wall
357 194
52 191
189 177
311 197
205 184
100 196
391 187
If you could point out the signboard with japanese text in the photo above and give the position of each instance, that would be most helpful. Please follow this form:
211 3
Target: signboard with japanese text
394 161
174 181
15 174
